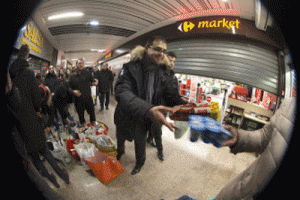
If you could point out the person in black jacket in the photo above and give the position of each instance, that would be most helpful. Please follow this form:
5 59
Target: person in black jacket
139 91
51 79
25 110
156 131
79 84
105 78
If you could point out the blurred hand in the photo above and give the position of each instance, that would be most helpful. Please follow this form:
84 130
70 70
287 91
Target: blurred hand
77 93
68 121
39 114
156 113
47 130
234 138
95 82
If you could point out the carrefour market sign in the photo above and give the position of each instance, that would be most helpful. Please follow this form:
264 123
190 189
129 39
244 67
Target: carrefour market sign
211 24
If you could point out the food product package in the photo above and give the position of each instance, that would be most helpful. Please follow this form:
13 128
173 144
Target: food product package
183 112
208 129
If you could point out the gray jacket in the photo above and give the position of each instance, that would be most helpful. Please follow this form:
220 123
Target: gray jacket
271 143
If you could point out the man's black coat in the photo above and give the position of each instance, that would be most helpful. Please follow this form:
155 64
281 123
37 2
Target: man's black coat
131 109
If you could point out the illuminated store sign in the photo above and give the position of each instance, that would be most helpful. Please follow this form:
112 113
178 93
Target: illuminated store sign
32 35
199 24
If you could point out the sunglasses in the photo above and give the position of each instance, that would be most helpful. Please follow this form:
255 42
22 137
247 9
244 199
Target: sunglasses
159 49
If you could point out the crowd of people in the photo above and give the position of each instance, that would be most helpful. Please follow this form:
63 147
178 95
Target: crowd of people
146 89
35 102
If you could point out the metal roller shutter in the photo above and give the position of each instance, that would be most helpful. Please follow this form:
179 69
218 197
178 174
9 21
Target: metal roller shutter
227 60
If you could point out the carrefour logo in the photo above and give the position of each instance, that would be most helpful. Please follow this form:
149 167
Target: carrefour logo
187 26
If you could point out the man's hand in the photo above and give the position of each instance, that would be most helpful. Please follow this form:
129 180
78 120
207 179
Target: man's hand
95 82
234 138
77 93
47 130
156 113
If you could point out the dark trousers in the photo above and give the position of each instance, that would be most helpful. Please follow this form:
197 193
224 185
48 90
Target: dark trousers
51 160
82 104
102 94
140 137
156 132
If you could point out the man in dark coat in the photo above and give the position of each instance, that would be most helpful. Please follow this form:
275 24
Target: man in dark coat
25 81
51 79
79 84
156 131
29 126
139 91
105 78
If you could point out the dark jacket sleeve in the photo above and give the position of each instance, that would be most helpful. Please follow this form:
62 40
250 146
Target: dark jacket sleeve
171 95
127 98
33 90
111 77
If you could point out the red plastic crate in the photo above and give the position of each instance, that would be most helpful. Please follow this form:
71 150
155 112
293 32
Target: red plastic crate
71 149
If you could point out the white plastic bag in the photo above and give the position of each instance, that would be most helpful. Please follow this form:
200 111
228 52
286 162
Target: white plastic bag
85 150
59 152
183 127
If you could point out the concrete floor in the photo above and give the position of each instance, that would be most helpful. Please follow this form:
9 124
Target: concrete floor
198 170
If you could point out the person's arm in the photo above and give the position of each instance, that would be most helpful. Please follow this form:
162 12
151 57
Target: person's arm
249 141
95 82
257 141
72 88
127 98
171 96
138 107
34 94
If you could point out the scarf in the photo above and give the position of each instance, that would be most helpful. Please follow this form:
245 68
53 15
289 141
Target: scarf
149 73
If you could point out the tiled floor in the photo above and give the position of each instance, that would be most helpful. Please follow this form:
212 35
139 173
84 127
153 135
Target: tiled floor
196 169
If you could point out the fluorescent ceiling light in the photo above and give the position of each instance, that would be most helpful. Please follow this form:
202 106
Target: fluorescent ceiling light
120 51
94 22
99 50
66 15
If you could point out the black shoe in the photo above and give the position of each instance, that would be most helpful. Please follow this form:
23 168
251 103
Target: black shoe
101 109
119 155
136 169
107 108
53 180
67 177
153 144
160 156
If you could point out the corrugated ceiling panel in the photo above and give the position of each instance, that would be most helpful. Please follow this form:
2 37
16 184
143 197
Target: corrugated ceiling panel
83 28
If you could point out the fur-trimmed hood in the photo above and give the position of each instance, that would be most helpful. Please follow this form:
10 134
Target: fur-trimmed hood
138 52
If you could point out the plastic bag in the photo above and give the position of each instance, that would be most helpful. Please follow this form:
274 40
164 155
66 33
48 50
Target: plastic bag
59 152
183 127
105 168
85 150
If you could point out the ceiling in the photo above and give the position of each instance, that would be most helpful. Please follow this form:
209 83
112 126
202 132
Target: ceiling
121 21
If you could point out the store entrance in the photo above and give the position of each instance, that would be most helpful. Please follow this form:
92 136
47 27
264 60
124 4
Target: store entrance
242 106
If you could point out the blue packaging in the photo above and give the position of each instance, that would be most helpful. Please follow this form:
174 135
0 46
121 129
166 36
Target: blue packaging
208 129
198 127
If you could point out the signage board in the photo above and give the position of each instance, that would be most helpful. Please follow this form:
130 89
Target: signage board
39 46
217 24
